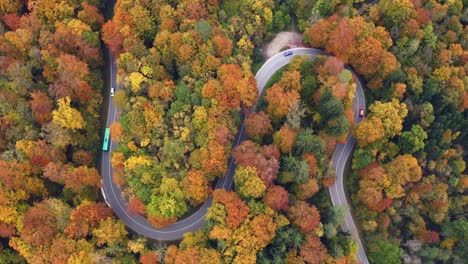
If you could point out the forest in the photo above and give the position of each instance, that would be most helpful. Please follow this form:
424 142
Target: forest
186 77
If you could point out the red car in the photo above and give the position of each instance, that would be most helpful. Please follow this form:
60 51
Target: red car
361 112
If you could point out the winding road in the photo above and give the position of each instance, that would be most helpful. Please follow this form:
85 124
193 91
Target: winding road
140 225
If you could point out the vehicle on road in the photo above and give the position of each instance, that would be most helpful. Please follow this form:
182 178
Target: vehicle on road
287 53
112 91
105 143
361 112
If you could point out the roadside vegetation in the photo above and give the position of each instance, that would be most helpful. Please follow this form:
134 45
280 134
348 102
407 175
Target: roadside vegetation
409 183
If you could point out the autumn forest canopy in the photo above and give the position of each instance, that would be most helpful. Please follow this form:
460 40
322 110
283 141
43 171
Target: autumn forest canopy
186 83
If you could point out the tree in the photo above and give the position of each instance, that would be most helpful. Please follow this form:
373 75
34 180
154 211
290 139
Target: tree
263 229
287 238
299 168
169 201
222 45
279 101
64 249
337 215
264 159
277 198
236 209
395 12
57 172
384 252
312 161
136 206
7 230
116 131
41 106
196 187
306 190
232 88
312 250
307 142
403 169
356 42
68 116
8 6
369 131
248 183
258 125
295 114
57 135
291 81
342 40
204 29
330 230
150 257
81 177
91 16
412 141
284 139
373 182
326 8
86 217
215 162
305 216
391 114
12 21
113 37
82 157
457 230
40 225
17 178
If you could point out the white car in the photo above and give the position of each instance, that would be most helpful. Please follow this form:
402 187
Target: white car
112 91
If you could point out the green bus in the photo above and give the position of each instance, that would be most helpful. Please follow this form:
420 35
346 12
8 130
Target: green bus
105 144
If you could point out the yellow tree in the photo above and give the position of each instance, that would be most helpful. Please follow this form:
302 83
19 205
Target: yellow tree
403 169
369 131
196 187
110 232
248 183
67 116
391 114
10 6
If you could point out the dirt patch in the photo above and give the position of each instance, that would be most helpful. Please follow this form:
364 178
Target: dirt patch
282 41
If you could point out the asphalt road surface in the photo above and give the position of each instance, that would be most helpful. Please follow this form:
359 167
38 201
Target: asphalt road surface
195 221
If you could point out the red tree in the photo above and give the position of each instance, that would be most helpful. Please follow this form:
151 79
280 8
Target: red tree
13 21
312 250
86 217
150 258
258 125
40 225
136 206
305 216
236 209
41 106
264 159
428 237
7 230
277 198
91 15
